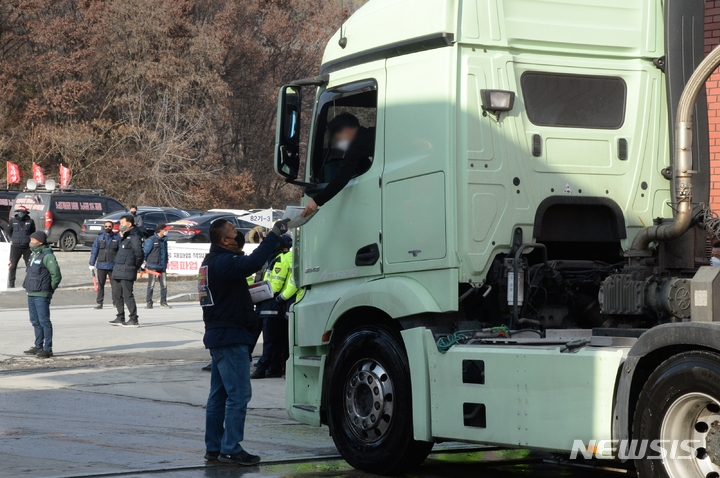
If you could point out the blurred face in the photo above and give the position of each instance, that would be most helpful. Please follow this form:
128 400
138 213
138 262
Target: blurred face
133 211
716 252
124 225
160 232
108 227
34 243
344 138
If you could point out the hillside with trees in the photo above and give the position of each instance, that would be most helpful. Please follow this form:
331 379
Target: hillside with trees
164 102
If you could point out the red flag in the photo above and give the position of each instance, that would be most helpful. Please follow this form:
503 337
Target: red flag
64 177
38 175
13 173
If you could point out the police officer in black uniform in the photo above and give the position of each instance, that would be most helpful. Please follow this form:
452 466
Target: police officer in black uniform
22 226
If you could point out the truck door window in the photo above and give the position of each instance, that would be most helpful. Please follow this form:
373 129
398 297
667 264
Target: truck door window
574 101
358 100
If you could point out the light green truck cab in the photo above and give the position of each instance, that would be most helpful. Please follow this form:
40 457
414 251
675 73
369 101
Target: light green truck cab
521 147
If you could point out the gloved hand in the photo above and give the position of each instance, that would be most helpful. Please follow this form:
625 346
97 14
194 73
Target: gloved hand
280 227
92 268
280 299
142 267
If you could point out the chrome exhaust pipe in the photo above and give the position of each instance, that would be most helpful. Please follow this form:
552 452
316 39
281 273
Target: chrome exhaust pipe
682 160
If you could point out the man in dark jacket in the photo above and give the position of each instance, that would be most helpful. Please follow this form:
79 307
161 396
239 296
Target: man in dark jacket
156 259
128 261
21 227
42 278
102 259
230 324
358 144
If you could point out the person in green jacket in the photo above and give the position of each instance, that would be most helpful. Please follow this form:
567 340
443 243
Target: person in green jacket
41 280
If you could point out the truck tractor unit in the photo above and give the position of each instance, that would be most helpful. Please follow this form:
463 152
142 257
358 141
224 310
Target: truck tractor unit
524 259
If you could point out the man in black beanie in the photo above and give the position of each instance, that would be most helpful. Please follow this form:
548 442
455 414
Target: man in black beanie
42 278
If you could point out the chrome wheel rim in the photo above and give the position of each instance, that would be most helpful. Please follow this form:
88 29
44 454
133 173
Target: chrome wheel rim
695 417
369 400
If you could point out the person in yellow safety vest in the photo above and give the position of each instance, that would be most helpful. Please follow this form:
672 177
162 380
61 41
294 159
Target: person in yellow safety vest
272 314
290 293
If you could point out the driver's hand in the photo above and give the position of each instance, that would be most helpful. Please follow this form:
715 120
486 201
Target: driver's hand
310 208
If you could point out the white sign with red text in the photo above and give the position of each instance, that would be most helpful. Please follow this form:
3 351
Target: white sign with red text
186 258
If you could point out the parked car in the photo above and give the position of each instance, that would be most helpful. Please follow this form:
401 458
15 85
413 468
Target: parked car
6 201
234 212
194 212
197 228
61 213
151 217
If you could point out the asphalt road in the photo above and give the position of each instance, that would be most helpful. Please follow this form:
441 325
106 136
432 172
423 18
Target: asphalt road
129 402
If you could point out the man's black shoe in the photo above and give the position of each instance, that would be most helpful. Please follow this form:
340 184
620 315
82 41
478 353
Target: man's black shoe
207 368
131 323
149 305
273 375
212 455
165 306
243 458
11 285
98 307
258 373
117 322
33 350
44 354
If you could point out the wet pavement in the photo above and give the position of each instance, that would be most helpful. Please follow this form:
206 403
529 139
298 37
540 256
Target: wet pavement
488 464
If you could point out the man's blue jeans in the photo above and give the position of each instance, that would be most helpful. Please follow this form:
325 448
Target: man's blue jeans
39 308
230 393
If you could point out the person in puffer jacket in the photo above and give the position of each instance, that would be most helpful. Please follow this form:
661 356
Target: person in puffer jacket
21 227
42 278
128 261
102 259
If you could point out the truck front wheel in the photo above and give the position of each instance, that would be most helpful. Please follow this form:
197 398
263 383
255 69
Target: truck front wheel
679 412
369 403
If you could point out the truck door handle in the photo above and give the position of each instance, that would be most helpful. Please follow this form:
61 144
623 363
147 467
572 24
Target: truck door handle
367 256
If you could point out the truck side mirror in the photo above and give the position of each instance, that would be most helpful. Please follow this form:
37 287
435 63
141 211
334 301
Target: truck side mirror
287 144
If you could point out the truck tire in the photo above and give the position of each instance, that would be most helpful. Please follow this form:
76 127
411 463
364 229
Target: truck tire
68 241
681 401
369 403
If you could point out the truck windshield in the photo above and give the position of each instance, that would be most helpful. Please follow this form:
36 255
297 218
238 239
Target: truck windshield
356 100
